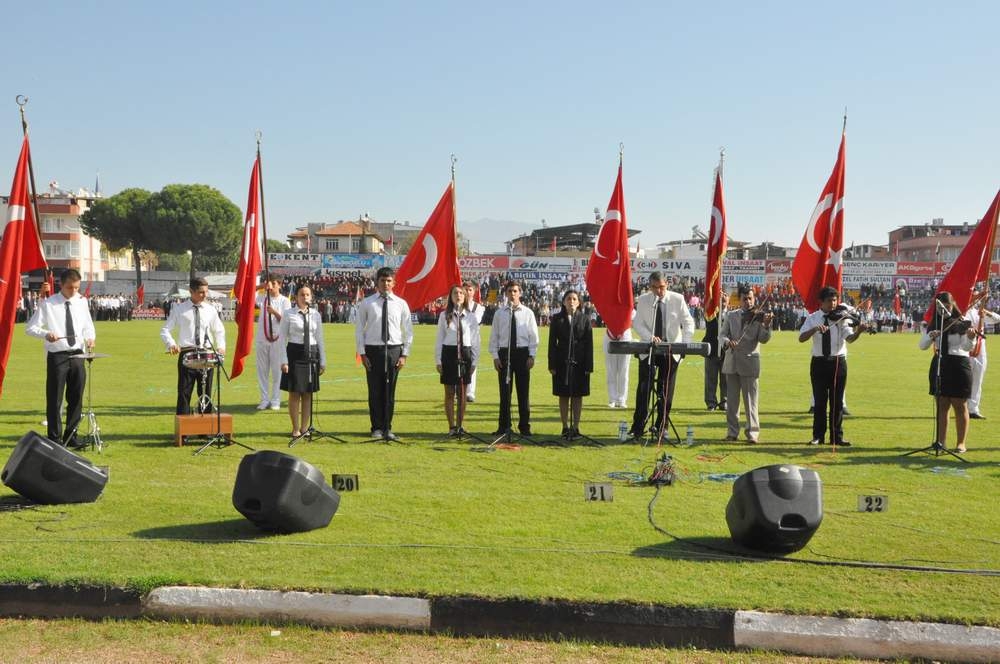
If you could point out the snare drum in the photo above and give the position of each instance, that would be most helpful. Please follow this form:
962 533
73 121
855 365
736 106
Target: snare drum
200 359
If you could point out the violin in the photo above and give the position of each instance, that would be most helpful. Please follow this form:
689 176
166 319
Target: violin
956 324
762 311
844 312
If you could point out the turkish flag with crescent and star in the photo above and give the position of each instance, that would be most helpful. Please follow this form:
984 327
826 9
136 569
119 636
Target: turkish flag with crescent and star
973 263
430 268
609 271
819 261
20 251
717 245
245 288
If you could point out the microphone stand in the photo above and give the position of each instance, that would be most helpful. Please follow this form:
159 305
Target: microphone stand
938 447
459 389
218 439
509 436
659 397
311 431
573 434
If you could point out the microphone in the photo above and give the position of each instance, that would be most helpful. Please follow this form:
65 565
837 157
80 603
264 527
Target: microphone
941 306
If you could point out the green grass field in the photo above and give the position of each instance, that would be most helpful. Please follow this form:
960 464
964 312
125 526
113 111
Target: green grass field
436 518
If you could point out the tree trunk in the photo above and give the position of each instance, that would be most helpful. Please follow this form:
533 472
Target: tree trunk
138 266
192 275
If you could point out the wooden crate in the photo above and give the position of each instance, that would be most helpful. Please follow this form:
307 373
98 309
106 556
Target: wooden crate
202 425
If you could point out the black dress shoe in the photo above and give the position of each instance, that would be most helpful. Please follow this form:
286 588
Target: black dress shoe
842 443
976 416
75 445
525 432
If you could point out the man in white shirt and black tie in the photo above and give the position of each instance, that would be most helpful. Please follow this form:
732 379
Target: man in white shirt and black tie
383 334
476 310
514 336
661 315
270 344
63 321
199 329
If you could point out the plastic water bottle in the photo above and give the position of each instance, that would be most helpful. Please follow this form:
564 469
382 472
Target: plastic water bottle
622 432
690 436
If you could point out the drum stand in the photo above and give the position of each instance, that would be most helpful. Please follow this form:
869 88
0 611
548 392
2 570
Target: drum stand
217 439
311 433
93 437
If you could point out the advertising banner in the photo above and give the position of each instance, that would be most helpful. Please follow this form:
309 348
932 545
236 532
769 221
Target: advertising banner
340 262
294 260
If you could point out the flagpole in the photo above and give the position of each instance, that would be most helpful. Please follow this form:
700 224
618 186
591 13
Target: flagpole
263 222
454 211
21 101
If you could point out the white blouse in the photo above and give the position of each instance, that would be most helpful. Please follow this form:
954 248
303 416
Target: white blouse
293 331
447 334
958 344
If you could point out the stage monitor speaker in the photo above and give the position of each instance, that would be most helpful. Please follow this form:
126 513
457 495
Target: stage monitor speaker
775 508
48 473
279 492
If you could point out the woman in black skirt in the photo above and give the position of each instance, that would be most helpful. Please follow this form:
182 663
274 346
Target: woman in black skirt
456 354
302 328
952 350
571 361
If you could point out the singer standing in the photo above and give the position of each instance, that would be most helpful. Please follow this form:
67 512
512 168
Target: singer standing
476 311
303 358
63 321
980 316
514 339
828 369
456 354
661 315
198 328
383 335
571 361
270 343
952 351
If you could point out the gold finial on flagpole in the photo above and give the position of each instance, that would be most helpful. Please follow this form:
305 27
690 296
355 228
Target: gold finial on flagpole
454 159
21 100
621 152
844 130
258 135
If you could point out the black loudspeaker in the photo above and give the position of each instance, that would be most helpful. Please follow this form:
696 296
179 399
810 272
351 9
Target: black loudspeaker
775 508
48 473
280 492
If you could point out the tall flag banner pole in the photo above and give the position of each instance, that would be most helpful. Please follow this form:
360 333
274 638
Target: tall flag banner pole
716 248
263 220
20 247
22 102
609 271
819 261
246 273
430 268
973 264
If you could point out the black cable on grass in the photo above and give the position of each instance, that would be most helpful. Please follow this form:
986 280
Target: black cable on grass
716 552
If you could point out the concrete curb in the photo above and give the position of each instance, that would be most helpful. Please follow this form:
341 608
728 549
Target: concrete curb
882 639
615 622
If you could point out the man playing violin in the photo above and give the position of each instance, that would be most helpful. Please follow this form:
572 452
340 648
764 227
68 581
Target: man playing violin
743 330
831 328
979 315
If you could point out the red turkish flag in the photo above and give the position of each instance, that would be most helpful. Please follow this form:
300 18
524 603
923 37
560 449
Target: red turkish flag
972 265
716 251
897 304
819 261
140 294
245 289
20 251
609 272
430 268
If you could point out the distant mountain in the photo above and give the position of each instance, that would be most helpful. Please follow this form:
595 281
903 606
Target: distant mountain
488 236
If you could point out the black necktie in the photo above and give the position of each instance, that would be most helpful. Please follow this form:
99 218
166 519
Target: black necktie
305 332
658 322
197 325
513 328
70 331
385 320
826 337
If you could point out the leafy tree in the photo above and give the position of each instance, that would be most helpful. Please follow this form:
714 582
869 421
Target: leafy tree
276 246
195 218
117 222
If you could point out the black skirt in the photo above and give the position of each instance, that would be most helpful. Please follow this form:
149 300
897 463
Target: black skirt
956 376
454 372
303 374
564 385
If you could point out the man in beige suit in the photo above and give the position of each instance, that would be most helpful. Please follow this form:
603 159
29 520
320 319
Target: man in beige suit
743 330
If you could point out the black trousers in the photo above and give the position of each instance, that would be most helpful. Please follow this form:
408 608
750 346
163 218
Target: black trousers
187 381
829 378
382 384
664 370
64 373
520 377
715 381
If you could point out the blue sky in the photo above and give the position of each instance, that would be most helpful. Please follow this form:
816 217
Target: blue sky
361 106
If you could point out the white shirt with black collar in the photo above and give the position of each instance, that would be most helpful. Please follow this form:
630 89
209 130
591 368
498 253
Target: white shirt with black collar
50 316
368 328
839 331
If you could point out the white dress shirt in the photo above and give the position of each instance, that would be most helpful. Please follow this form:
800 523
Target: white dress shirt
50 316
527 330
477 310
958 344
447 334
368 328
279 303
293 331
182 318
678 325
839 331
